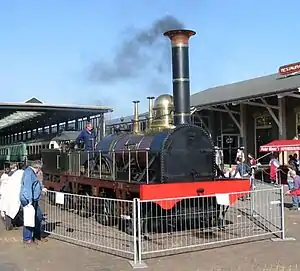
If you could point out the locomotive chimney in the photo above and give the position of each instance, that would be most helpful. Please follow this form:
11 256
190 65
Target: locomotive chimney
150 114
181 77
136 129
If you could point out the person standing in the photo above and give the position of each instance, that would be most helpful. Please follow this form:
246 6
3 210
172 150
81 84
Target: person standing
31 190
87 137
240 155
3 183
274 165
296 163
253 166
242 168
295 191
11 201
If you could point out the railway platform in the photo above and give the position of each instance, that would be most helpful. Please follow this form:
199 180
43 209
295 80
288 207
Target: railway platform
62 256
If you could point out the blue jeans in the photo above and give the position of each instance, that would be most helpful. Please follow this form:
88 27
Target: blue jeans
295 199
36 232
290 184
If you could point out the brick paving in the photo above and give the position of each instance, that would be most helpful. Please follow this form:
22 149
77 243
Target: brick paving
60 256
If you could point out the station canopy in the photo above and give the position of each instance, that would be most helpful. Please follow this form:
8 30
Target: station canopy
17 117
256 88
281 145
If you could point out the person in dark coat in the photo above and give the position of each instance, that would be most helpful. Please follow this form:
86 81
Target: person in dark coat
30 194
87 137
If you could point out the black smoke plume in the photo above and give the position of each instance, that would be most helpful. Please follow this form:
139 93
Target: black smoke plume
142 52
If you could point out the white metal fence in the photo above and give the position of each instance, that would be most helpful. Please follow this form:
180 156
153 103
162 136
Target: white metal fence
139 229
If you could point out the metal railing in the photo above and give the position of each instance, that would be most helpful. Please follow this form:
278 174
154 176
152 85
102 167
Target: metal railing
89 221
132 165
139 229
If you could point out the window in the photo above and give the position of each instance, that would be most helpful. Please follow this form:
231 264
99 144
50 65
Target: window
263 121
298 124
202 121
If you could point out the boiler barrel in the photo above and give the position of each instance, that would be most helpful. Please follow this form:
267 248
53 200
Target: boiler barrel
121 145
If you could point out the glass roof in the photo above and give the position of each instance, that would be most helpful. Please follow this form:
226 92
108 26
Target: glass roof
17 117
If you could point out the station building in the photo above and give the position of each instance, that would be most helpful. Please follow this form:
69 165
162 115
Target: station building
252 112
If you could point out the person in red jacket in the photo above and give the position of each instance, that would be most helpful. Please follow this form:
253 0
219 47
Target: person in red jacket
274 165
252 160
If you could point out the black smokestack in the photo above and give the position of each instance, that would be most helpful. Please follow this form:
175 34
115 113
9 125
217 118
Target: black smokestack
181 74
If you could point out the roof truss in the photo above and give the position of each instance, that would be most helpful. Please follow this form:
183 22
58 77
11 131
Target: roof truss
17 117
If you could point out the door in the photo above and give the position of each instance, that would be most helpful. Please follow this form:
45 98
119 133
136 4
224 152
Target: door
230 144
263 136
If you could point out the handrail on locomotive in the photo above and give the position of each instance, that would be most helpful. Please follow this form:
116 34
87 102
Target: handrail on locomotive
87 163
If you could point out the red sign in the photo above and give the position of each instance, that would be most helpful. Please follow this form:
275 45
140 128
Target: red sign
289 69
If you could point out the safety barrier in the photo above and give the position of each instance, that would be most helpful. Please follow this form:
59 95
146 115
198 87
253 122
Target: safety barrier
139 229
89 221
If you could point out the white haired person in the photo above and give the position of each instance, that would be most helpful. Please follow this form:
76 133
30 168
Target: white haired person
295 191
11 201
240 155
3 183
30 194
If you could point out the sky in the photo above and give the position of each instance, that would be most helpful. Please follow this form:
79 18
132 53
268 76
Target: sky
48 48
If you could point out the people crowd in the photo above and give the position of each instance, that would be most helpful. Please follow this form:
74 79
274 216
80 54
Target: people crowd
20 187
293 180
244 167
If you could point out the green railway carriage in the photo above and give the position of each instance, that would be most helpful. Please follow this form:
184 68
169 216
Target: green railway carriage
4 155
13 153
31 150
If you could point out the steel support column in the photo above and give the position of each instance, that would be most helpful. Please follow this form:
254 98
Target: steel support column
282 118
76 125
100 127
103 126
243 125
66 125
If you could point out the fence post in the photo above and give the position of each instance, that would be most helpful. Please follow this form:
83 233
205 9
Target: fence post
137 262
252 201
282 213
282 220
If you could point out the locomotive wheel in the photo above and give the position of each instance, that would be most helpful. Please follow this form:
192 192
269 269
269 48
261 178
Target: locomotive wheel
105 166
51 197
128 227
192 214
84 207
105 213
89 167
69 203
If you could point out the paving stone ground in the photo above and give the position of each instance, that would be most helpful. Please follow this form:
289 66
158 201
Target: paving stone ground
60 256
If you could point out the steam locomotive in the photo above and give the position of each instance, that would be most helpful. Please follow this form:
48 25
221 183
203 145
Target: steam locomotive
172 159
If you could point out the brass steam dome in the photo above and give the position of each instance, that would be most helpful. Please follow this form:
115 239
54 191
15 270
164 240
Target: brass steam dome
163 112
